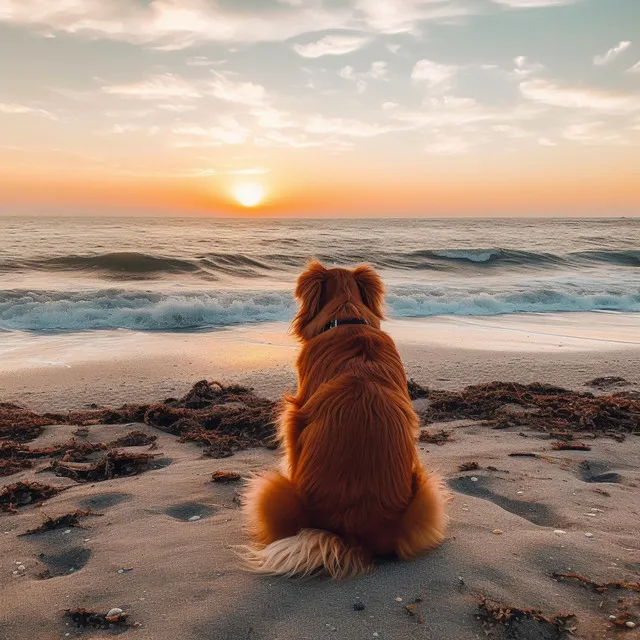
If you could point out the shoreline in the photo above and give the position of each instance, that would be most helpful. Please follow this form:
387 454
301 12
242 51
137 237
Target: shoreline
68 371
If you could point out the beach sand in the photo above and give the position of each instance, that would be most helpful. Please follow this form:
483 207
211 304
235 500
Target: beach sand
181 578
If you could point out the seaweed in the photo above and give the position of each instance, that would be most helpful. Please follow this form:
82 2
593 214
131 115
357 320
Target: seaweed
114 464
513 618
133 439
440 437
21 494
225 477
87 618
416 390
542 407
596 586
570 446
9 467
66 520
469 466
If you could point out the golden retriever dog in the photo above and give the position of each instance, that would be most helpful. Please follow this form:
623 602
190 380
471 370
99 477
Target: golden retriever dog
353 487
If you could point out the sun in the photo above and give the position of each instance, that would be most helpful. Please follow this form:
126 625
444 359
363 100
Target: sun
248 194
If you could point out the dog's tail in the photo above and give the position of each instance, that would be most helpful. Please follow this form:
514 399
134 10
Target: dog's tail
312 552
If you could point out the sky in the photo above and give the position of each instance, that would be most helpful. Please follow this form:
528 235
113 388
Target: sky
320 107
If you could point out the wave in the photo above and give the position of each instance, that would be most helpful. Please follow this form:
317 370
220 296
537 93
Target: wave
211 266
147 311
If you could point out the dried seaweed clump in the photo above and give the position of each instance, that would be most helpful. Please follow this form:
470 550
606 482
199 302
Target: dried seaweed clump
114 464
597 586
513 620
87 618
224 419
543 407
134 439
440 437
225 477
65 521
21 494
19 424
416 390
9 467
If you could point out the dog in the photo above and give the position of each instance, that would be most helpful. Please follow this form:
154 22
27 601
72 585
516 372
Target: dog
352 487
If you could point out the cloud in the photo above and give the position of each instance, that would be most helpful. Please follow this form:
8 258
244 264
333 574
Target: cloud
434 75
20 109
159 87
635 68
545 142
203 61
612 54
443 145
246 93
177 24
272 118
594 133
345 127
525 68
378 71
552 94
330 46
228 131
532 4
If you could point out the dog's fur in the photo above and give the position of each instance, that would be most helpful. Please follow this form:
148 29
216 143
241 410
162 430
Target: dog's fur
353 486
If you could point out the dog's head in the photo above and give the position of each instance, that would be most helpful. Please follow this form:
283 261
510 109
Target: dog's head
328 294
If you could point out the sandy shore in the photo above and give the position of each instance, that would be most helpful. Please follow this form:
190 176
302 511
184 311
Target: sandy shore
58 372
179 578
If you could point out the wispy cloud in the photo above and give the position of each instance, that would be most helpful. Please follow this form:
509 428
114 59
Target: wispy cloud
557 95
176 24
434 75
594 133
531 4
377 71
228 131
159 87
246 93
635 68
612 54
330 46
21 109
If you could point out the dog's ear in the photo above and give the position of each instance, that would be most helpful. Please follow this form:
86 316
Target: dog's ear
371 289
308 293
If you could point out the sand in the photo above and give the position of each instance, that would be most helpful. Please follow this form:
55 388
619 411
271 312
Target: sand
182 578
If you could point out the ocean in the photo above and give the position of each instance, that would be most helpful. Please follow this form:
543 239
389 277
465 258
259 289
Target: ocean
186 274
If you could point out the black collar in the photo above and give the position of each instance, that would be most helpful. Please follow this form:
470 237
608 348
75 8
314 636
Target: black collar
339 323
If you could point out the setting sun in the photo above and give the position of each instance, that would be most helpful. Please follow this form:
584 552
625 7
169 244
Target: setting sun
248 194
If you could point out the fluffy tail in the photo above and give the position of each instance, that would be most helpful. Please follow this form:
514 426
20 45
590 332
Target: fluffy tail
312 552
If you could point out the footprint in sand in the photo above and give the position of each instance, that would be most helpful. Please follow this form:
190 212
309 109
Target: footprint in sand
534 512
189 511
597 471
64 563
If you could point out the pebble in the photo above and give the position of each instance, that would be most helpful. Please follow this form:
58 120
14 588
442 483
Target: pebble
22 568
376 634
592 515
630 625
474 479
559 532
358 606
398 599
194 518
588 535
497 532
114 612
612 617
596 510
520 493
